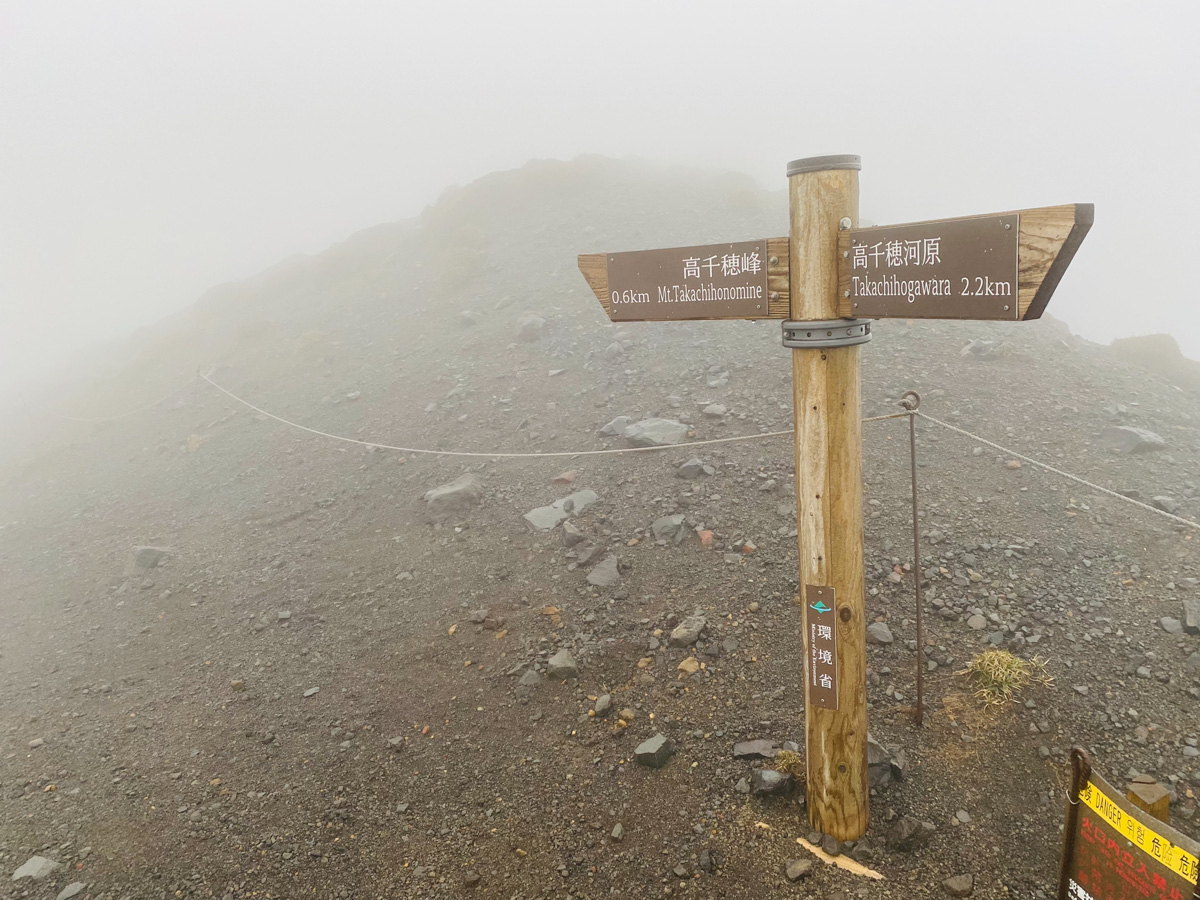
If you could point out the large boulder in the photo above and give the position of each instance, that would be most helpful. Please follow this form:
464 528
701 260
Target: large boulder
656 432
1128 439
454 497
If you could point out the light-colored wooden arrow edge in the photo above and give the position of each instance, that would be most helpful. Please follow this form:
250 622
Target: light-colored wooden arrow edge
842 862
594 267
1047 240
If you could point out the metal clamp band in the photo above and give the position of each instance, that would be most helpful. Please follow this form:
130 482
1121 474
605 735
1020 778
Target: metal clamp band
824 163
827 333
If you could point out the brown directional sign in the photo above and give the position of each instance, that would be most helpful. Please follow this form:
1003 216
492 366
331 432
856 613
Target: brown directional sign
699 282
1114 851
952 269
1002 266
1046 240
740 280
821 637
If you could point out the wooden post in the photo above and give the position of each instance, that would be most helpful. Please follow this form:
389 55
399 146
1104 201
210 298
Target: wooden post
823 193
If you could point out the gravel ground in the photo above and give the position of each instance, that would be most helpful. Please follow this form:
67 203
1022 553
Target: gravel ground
329 688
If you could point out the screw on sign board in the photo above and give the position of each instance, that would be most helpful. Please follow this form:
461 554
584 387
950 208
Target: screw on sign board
1114 851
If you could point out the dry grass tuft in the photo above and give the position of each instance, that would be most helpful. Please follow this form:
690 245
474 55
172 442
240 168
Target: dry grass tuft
791 763
1000 676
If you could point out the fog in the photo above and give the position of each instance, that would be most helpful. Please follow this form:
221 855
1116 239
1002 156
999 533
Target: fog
153 150
358 539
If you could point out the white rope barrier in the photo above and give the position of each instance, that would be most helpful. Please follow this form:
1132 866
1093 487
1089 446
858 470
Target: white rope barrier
1041 465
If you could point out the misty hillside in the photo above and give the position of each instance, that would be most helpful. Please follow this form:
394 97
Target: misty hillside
316 673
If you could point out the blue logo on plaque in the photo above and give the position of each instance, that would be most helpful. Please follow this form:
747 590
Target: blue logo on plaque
820 607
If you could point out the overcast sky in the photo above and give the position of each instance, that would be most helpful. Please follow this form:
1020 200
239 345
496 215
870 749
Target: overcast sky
150 150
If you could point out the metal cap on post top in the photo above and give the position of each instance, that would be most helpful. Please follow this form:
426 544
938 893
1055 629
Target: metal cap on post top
824 163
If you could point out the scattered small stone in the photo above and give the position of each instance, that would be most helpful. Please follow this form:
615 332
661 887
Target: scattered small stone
37 868
742 787
529 328
546 517
562 665
36 742
694 468
618 832
656 432
907 833
977 622
238 684
654 752
688 631
760 748
312 692
879 633
71 890
150 557
960 885
799 868
616 426
715 411
669 528
1170 625
603 704
1166 504
606 573
768 781
1131 440
690 666
471 878
454 497
1191 614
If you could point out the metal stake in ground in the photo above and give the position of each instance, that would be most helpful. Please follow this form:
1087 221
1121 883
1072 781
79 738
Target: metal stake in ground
823 194
912 402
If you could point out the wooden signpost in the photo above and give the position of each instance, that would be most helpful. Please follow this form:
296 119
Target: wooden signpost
1002 266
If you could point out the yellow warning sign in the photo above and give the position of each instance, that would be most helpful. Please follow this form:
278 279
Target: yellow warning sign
1139 834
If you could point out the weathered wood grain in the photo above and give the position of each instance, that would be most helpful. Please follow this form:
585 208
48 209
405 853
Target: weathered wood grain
827 396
